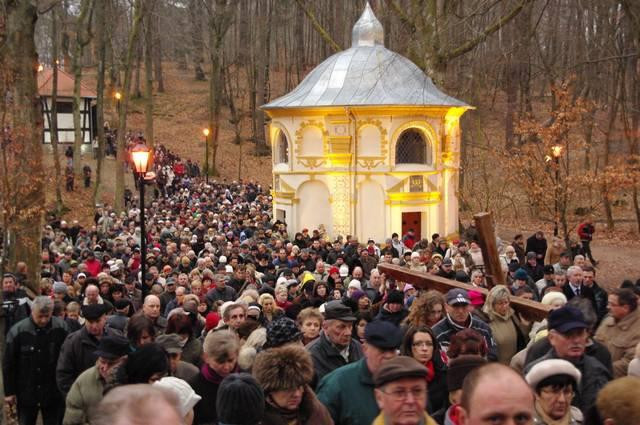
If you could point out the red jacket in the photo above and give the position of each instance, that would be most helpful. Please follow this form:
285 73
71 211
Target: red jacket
93 267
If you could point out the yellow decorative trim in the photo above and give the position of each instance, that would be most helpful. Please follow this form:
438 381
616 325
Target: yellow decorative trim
274 129
413 196
283 195
372 161
339 159
310 161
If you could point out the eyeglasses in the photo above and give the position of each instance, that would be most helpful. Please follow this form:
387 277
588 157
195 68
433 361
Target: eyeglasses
402 394
556 392
423 344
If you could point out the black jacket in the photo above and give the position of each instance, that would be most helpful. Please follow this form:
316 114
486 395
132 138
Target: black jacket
326 357
446 328
76 356
30 358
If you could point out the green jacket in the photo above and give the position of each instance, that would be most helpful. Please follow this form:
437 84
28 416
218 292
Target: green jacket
85 394
348 394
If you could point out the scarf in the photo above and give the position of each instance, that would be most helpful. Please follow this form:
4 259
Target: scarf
566 420
211 375
431 371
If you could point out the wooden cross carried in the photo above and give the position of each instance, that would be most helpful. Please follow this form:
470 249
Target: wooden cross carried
531 310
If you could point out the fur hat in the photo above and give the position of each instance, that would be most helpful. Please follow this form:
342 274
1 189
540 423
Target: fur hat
283 368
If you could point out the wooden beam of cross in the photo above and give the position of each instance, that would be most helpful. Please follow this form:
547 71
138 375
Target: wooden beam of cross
531 310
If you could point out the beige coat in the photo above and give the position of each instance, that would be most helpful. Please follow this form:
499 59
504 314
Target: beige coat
621 339
85 394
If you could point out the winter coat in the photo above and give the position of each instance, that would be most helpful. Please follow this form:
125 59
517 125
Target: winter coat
446 328
510 335
594 377
326 357
601 298
427 420
395 318
348 394
192 352
575 418
85 394
206 385
30 358
76 356
621 338
310 412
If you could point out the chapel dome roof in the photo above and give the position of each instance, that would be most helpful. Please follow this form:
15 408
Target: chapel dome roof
367 74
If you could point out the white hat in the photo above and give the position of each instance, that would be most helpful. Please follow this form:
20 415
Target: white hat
228 268
186 396
222 259
550 297
344 270
551 367
355 283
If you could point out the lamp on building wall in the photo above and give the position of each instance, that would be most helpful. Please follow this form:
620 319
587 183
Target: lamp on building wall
141 158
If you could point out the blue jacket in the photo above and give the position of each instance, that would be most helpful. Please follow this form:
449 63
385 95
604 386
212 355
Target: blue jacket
348 394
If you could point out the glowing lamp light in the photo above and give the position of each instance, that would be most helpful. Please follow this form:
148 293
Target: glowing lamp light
205 132
118 95
40 68
556 151
140 156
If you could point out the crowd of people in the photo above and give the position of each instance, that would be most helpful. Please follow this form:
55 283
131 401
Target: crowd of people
237 321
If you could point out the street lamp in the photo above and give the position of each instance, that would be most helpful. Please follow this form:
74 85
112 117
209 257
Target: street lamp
556 151
141 156
118 96
206 154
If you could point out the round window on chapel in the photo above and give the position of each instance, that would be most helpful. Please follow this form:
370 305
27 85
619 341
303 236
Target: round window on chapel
412 148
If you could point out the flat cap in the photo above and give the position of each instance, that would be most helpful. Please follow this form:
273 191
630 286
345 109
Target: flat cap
94 311
112 347
398 368
170 343
383 334
337 310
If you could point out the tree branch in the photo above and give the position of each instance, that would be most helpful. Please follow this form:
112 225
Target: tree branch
471 44
323 33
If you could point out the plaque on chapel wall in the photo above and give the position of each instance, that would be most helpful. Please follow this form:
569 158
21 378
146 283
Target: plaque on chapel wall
416 184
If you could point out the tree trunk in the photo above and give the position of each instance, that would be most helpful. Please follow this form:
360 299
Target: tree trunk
195 15
220 19
53 117
102 50
157 58
83 36
23 188
148 71
122 114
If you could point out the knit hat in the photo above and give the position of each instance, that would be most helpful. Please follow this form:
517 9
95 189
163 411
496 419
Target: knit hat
212 320
460 367
395 297
240 400
283 368
521 274
552 296
344 270
282 331
183 391
355 283
145 362
551 367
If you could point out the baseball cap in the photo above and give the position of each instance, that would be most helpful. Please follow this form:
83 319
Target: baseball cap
458 296
565 319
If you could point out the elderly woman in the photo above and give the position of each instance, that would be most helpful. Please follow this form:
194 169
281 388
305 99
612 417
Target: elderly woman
220 357
554 383
420 343
509 331
427 309
284 373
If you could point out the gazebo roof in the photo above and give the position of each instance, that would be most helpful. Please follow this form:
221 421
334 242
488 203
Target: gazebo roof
367 74
65 84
